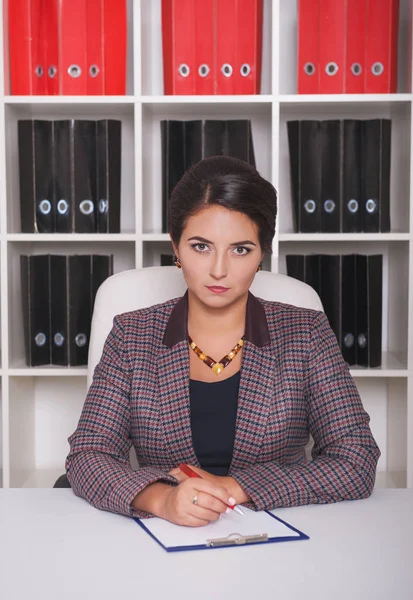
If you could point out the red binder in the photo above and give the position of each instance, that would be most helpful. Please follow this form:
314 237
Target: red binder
178 46
226 46
381 46
247 72
355 46
308 46
332 46
72 63
27 50
204 30
50 17
115 25
94 47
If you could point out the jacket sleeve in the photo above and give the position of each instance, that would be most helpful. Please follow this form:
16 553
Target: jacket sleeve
98 466
344 455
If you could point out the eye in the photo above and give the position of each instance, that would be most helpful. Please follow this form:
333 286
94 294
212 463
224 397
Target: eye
200 247
244 250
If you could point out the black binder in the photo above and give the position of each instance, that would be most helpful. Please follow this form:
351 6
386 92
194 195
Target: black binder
63 214
306 268
331 135
80 308
102 268
35 285
376 150
330 292
35 141
352 209
369 281
108 145
167 260
306 174
181 146
348 308
84 173
58 310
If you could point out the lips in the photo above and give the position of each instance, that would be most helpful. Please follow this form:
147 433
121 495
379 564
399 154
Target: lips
217 289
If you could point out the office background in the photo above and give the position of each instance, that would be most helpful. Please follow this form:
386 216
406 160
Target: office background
40 406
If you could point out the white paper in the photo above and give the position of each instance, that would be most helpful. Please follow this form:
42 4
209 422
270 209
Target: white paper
252 523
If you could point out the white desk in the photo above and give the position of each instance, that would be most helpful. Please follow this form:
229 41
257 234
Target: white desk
55 546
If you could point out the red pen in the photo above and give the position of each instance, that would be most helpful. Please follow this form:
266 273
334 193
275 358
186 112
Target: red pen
191 473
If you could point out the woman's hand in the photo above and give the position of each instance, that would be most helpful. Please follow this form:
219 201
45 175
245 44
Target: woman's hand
178 507
227 482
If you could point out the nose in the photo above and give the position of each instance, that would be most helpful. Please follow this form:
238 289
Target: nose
218 268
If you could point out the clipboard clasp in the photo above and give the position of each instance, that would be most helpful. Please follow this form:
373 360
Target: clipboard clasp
237 539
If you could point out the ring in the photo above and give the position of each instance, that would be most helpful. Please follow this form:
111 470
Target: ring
195 499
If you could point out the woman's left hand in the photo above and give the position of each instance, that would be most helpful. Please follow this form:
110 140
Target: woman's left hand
229 483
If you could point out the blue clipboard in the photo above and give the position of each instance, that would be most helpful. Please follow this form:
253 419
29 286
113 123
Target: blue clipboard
232 540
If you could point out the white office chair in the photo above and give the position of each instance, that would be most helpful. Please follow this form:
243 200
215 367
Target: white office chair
140 288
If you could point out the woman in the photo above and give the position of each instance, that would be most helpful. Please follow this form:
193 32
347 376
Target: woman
241 422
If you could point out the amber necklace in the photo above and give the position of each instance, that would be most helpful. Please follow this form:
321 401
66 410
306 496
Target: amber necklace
217 367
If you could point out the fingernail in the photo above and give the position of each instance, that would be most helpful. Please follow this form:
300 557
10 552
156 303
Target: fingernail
229 510
231 501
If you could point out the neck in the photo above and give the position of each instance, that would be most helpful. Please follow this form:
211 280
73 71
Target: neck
217 322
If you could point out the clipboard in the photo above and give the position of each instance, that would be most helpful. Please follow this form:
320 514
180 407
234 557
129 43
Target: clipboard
262 527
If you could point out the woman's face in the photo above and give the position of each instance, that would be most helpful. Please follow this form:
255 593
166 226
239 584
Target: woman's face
220 248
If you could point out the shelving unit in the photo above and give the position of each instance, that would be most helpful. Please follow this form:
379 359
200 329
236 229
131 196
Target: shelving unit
40 407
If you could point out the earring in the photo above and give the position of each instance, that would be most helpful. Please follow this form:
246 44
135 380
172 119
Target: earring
178 263
259 267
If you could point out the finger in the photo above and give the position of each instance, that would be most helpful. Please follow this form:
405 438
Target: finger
209 487
204 514
211 502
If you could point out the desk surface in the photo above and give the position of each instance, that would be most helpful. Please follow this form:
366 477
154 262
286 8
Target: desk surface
54 545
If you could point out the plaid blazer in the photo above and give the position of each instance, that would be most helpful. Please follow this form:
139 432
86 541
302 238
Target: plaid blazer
294 381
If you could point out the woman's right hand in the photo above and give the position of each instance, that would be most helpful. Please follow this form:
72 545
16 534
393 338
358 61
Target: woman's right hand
178 507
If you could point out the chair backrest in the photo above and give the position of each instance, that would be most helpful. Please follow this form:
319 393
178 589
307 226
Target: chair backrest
140 288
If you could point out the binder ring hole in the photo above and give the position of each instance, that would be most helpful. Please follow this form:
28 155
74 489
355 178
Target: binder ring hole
377 68
203 70
39 71
371 206
329 206
356 69
103 206
331 68
310 206
45 207
94 71
245 70
226 70
40 339
353 205
349 340
74 71
86 207
362 340
81 340
52 71
309 68
184 70
59 339
62 207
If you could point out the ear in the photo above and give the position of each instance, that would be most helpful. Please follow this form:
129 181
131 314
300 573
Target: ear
174 247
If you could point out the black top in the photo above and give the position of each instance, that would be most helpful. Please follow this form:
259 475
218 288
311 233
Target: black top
213 416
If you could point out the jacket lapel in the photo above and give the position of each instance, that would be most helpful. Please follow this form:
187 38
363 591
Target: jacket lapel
173 382
255 398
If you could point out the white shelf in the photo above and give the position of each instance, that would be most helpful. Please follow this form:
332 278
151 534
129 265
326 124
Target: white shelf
344 237
40 407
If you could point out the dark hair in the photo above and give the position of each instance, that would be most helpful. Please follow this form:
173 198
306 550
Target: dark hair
227 182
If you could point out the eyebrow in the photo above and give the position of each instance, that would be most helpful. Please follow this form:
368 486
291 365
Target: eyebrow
204 240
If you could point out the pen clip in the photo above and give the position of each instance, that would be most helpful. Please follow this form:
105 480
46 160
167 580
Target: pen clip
236 539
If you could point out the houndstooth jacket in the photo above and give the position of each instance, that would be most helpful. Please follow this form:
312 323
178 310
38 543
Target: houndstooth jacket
294 382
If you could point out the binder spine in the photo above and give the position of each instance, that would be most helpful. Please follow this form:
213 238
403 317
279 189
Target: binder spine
84 175
204 41
178 47
293 131
330 293
331 175
332 46
239 140
247 74
108 148
308 46
348 308
22 69
376 175
115 24
226 46
72 50
356 32
50 19
352 208
80 308
95 47
369 310
63 161
310 174
27 176
59 310
381 48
